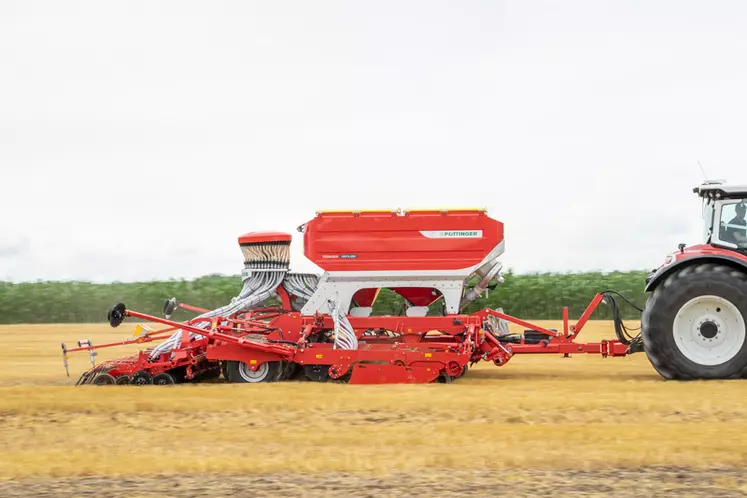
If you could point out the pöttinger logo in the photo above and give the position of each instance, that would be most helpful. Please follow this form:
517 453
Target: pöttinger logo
452 234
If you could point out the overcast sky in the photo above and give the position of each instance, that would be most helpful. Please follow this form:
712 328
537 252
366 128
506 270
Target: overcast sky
139 139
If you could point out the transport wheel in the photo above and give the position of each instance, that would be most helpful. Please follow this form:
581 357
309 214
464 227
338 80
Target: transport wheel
240 372
104 379
294 371
283 371
291 370
444 378
123 380
693 326
141 378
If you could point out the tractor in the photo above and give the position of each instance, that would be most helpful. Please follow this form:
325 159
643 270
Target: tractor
693 323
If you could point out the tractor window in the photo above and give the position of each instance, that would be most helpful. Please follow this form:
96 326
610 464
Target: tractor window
732 224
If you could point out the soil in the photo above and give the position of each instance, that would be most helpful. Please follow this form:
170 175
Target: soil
726 482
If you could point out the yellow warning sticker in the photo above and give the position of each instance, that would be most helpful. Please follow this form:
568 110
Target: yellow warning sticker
252 362
428 355
319 356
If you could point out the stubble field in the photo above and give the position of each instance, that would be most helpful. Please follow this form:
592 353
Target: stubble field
541 425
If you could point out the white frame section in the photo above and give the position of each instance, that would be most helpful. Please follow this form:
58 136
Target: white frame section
340 286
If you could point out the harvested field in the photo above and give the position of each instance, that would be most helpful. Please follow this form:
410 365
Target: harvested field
540 425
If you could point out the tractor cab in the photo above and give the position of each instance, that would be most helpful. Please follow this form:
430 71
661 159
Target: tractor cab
724 214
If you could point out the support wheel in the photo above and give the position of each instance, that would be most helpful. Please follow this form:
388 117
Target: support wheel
104 379
163 379
123 380
141 378
240 372
693 326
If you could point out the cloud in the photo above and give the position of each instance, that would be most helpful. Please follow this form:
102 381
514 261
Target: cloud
11 250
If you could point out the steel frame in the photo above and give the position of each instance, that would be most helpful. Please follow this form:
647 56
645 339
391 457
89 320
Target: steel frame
391 348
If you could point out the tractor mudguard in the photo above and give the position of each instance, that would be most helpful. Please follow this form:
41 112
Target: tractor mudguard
657 276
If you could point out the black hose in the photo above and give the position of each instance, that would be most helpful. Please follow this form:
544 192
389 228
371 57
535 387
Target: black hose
623 332
608 292
275 341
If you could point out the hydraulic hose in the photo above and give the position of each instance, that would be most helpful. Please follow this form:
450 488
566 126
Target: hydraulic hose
622 332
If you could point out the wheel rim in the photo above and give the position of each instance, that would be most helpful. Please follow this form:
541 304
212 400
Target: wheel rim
163 379
253 376
709 330
141 378
104 380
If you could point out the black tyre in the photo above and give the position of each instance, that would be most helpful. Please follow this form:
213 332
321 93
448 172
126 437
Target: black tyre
290 370
693 325
240 372
163 379
141 378
179 374
283 371
104 379
317 373
443 378
123 380
294 371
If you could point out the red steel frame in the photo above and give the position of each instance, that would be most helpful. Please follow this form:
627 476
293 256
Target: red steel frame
413 355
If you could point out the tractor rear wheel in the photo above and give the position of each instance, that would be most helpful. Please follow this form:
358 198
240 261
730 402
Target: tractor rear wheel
240 372
693 326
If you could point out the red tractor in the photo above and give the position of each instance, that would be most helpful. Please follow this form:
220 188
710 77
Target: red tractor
693 324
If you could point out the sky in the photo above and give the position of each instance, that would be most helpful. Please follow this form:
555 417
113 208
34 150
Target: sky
139 139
